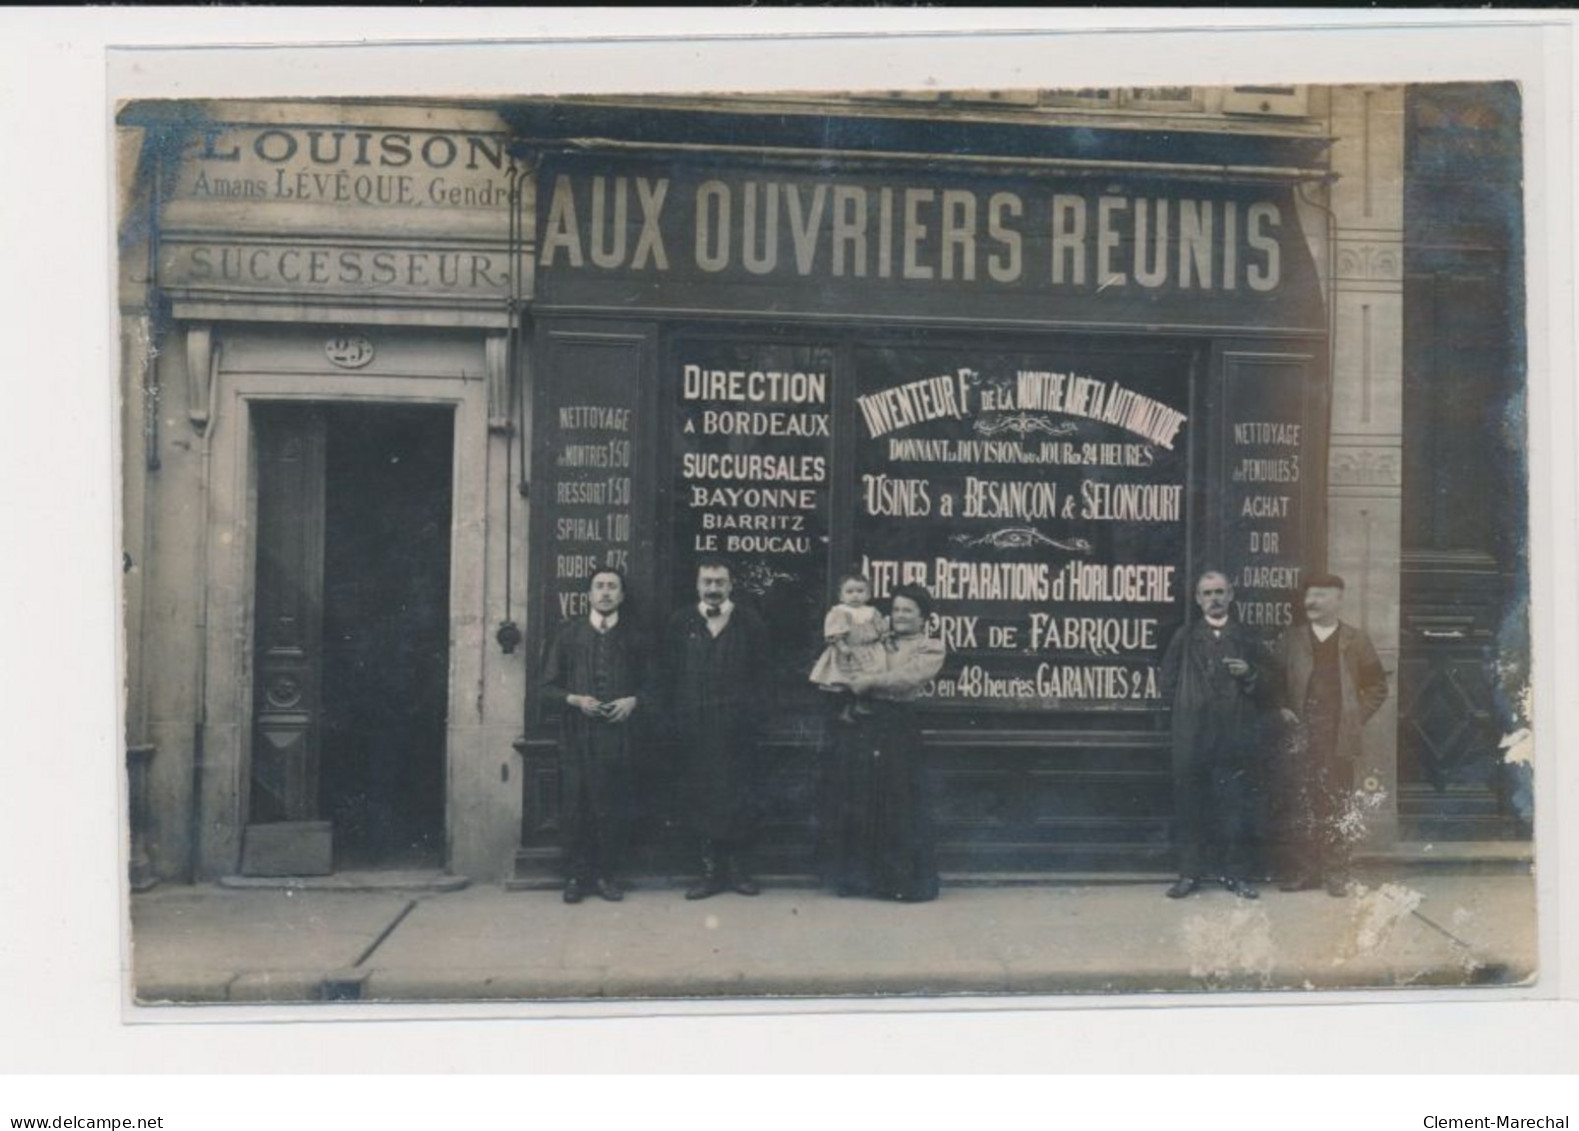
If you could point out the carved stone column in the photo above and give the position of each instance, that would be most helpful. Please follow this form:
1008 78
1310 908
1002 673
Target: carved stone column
140 401
1365 461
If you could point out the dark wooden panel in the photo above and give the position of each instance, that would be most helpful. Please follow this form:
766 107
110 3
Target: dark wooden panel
1463 452
542 793
1464 647
287 658
1057 797
1035 807
1460 665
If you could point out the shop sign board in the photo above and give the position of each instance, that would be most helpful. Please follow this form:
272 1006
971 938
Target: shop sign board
347 166
1065 250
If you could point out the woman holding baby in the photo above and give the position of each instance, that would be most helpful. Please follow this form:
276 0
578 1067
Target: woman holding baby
878 835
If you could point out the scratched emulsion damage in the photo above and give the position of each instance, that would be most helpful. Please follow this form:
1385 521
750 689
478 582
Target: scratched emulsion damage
1518 755
1374 915
1463 921
1519 747
1359 807
1230 946
1467 961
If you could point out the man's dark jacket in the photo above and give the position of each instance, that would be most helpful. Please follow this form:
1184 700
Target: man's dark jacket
1230 728
595 760
1217 738
717 697
1362 678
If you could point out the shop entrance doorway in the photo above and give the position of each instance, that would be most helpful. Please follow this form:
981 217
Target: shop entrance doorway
351 652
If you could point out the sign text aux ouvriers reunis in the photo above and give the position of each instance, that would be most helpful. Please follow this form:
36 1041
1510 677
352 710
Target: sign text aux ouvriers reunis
1149 251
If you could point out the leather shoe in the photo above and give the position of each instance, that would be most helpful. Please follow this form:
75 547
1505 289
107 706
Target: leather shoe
1336 887
611 890
745 885
1182 887
1241 888
574 891
1299 883
705 888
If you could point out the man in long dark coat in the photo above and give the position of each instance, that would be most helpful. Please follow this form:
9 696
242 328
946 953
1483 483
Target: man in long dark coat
598 667
716 667
1330 682
1211 673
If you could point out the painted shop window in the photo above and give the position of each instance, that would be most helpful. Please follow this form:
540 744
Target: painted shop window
1042 499
1052 494
1041 495
750 467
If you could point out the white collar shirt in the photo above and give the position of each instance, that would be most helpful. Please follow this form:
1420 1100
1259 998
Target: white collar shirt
716 624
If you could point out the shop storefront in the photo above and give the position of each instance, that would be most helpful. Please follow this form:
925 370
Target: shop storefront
1051 399
399 378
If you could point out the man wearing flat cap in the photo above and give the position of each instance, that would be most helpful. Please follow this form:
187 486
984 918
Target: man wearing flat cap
1329 684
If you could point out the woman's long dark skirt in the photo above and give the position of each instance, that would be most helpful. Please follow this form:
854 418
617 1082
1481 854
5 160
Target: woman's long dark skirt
879 840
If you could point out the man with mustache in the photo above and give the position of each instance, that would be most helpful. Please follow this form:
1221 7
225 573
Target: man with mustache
1211 674
717 673
1330 682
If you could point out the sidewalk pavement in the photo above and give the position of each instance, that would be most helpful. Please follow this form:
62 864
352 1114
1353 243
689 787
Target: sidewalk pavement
208 944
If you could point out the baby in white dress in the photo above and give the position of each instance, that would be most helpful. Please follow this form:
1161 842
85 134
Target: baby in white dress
856 634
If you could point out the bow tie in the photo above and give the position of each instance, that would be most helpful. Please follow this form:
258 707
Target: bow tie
714 612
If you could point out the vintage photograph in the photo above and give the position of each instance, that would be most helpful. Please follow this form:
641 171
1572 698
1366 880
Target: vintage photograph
829 544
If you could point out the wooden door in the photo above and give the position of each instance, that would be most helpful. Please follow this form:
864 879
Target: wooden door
1464 657
284 834
1463 645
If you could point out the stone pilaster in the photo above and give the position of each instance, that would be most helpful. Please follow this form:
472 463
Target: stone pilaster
1365 461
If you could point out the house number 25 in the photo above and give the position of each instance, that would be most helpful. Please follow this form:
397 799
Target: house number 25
349 351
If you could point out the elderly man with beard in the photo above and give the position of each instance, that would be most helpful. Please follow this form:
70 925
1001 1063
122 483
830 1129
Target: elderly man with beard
1211 674
1330 682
